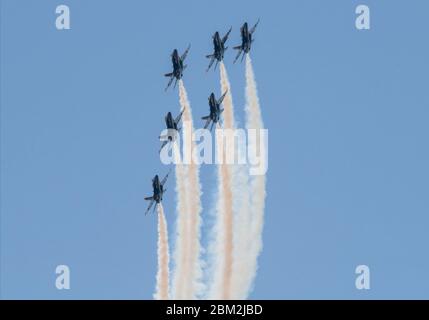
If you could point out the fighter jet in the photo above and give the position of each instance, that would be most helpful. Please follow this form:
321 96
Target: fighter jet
158 191
219 48
178 66
246 40
215 110
172 128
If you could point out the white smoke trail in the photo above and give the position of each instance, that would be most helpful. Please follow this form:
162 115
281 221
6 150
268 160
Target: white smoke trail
223 242
163 257
228 114
239 185
247 255
180 275
193 264
223 231
242 219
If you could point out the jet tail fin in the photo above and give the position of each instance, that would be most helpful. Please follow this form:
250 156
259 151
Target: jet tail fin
212 59
168 74
207 122
169 82
205 118
238 54
237 48
210 56
148 198
150 206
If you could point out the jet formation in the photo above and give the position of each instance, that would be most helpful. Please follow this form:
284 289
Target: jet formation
173 124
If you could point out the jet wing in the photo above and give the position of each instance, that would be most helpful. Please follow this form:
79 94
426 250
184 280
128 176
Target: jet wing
169 83
240 50
150 206
225 37
207 123
221 98
254 27
211 62
177 120
183 57
165 178
242 57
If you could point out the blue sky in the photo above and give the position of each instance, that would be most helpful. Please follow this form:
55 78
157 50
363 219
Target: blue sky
347 113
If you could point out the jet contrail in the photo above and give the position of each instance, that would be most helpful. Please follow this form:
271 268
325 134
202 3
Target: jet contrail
193 286
228 114
163 257
242 220
246 266
182 235
238 227
226 192
223 247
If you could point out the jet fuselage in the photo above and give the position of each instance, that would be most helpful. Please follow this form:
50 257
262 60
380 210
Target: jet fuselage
177 65
218 47
214 108
158 189
169 121
246 38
